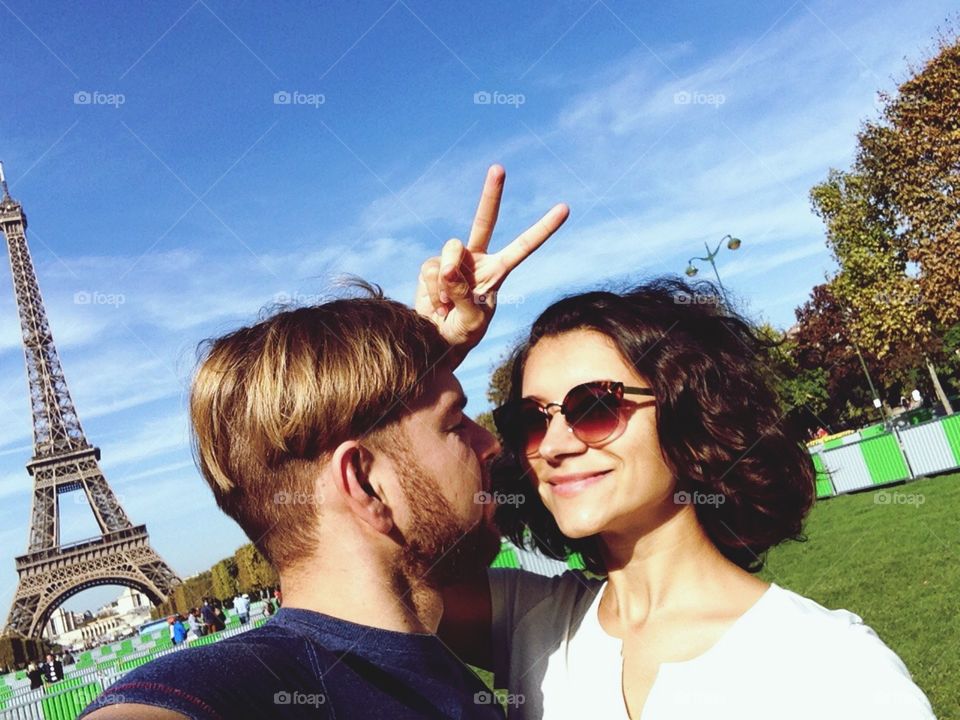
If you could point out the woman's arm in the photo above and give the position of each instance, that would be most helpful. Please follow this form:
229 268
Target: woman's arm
466 623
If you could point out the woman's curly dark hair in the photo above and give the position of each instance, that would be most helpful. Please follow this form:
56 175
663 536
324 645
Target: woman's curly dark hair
718 418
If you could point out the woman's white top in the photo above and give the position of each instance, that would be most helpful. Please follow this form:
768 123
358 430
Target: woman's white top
787 657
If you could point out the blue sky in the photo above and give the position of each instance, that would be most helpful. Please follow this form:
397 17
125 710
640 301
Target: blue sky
172 193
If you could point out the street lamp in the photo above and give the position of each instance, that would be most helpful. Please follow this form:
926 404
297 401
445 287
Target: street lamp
732 244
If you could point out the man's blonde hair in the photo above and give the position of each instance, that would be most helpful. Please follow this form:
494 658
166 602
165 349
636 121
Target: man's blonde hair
269 401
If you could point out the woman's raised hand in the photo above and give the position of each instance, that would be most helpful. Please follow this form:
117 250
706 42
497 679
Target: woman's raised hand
457 290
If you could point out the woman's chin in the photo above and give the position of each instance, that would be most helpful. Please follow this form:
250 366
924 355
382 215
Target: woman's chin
576 525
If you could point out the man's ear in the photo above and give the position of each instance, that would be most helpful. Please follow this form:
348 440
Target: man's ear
351 464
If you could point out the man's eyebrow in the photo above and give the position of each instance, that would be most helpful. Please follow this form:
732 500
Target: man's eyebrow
458 403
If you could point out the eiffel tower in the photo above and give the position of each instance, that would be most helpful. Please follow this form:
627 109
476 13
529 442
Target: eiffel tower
63 461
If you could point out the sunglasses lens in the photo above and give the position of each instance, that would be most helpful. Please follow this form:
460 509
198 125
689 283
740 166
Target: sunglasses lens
593 411
522 426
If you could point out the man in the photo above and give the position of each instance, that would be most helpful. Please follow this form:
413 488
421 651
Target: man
209 617
242 605
52 669
335 436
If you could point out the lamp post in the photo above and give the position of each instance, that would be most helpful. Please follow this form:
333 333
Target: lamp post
732 244
845 313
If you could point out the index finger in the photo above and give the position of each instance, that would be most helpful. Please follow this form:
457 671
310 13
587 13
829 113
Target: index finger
533 237
487 210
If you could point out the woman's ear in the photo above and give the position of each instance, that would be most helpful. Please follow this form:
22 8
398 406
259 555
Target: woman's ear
351 465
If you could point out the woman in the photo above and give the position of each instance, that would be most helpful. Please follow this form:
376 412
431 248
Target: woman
35 675
670 472
642 431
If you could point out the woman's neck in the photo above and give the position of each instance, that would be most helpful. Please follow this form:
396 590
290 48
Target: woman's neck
673 566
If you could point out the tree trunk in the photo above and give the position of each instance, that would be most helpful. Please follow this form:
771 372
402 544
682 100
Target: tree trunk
938 388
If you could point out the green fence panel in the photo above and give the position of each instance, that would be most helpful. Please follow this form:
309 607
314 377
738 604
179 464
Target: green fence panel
824 485
884 459
836 442
507 558
69 704
951 427
135 663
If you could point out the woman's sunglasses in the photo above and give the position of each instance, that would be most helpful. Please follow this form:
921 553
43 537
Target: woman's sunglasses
592 412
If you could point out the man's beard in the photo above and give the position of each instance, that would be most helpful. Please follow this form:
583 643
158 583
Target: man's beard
440 551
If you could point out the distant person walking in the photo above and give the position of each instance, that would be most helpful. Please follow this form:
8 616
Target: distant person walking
194 629
178 632
241 603
52 669
35 675
209 617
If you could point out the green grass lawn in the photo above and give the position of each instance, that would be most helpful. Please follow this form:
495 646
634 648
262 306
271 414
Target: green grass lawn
893 557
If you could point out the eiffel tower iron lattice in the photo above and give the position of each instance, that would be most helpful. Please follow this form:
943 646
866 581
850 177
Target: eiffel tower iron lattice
63 461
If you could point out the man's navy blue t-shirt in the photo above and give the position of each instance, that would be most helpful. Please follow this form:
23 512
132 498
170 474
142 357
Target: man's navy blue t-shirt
303 664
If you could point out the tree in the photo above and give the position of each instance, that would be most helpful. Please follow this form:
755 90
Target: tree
253 570
497 390
823 343
898 209
224 578
912 161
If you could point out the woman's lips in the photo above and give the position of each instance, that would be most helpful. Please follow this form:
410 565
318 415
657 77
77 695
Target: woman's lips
569 485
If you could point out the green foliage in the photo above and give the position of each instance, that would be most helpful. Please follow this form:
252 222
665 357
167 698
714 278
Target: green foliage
224 578
497 391
253 570
891 222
